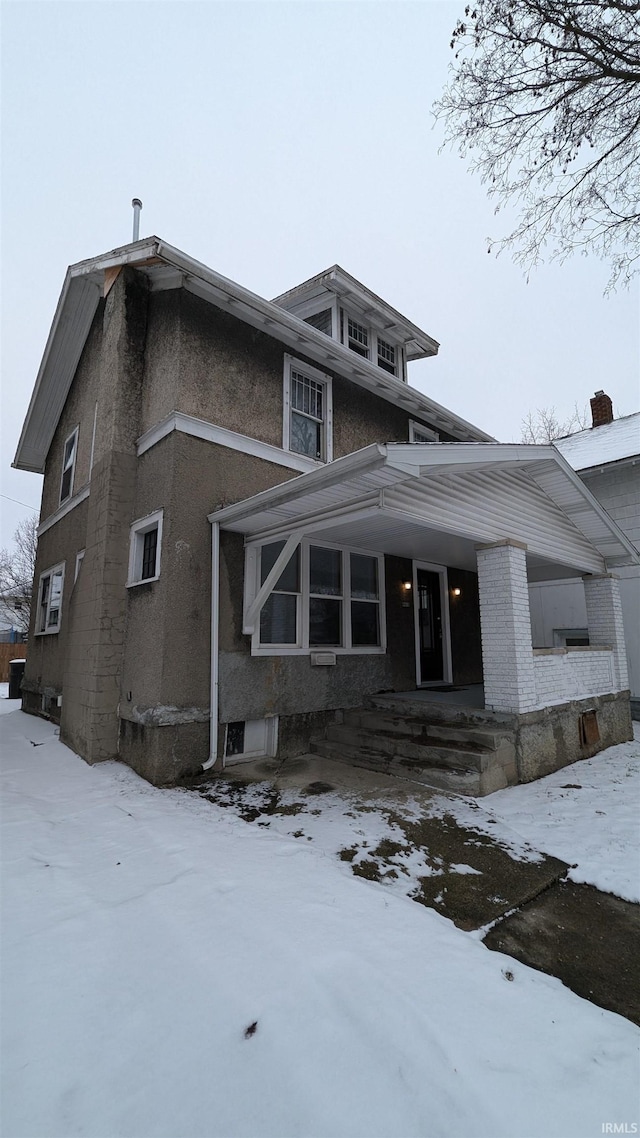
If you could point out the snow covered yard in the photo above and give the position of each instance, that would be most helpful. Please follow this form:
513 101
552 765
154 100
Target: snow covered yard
171 972
587 814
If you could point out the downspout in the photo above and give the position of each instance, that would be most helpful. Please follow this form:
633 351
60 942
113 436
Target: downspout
215 638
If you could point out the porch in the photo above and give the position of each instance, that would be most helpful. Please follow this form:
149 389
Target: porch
502 515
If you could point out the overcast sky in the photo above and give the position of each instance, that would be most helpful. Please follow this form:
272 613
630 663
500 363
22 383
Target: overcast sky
271 140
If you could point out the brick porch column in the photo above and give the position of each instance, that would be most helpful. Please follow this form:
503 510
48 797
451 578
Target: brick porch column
507 650
604 621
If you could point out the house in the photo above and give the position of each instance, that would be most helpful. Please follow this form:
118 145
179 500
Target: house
607 458
256 536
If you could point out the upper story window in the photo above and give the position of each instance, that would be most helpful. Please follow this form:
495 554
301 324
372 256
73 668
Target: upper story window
357 337
49 610
307 411
363 338
418 433
387 356
68 466
144 549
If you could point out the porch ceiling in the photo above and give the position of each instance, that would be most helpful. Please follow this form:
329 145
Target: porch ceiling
436 501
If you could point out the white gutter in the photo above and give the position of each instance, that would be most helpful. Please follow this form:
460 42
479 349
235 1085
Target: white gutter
215 643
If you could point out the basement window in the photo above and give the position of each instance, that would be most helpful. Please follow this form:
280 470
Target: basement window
144 549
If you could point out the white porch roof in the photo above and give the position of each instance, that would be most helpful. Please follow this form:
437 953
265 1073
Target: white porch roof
436 501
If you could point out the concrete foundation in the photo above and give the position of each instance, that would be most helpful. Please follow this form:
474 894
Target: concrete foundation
164 753
549 739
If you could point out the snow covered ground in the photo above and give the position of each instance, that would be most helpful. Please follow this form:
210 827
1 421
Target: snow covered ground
587 814
169 971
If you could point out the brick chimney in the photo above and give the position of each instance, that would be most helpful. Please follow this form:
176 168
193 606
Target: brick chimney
601 409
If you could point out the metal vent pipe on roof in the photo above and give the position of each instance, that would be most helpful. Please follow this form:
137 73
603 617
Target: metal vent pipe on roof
137 206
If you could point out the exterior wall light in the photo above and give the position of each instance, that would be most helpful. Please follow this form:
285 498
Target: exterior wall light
407 586
456 592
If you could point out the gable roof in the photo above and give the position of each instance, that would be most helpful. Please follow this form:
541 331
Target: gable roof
598 446
167 267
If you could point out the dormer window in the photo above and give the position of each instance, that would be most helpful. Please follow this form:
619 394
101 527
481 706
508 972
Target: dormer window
387 356
344 310
357 337
364 339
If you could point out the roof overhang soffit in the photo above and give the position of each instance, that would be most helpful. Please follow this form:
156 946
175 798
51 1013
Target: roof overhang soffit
477 507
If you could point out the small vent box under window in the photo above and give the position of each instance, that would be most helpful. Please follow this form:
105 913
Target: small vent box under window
323 658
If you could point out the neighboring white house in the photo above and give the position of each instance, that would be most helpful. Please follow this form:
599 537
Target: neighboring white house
607 458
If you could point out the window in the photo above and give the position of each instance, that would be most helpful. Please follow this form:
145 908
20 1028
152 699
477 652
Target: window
68 466
570 637
387 356
418 433
357 337
280 612
79 560
326 597
50 600
144 549
307 411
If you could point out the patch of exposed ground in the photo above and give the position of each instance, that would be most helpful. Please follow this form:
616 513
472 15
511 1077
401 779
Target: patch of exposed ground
432 857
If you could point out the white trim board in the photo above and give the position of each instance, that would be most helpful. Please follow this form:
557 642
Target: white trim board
66 508
447 660
201 429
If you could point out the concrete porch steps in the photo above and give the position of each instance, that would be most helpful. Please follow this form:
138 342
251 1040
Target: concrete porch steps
450 749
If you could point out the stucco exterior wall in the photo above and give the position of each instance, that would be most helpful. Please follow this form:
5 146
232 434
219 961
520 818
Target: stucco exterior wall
47 653
86 658
209 364
252 687
79 411
165 680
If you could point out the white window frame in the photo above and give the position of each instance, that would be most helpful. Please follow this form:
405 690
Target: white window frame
374 333
430 436
397 351
49 574
136 548
79 559
293 364
70 464
302 647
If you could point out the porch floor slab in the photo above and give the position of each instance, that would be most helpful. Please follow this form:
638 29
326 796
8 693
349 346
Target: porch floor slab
471 695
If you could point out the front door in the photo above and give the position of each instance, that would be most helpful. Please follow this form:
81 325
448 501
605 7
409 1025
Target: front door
430 656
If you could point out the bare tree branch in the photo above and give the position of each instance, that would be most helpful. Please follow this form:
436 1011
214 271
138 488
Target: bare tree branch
543 424
545 99
16 575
